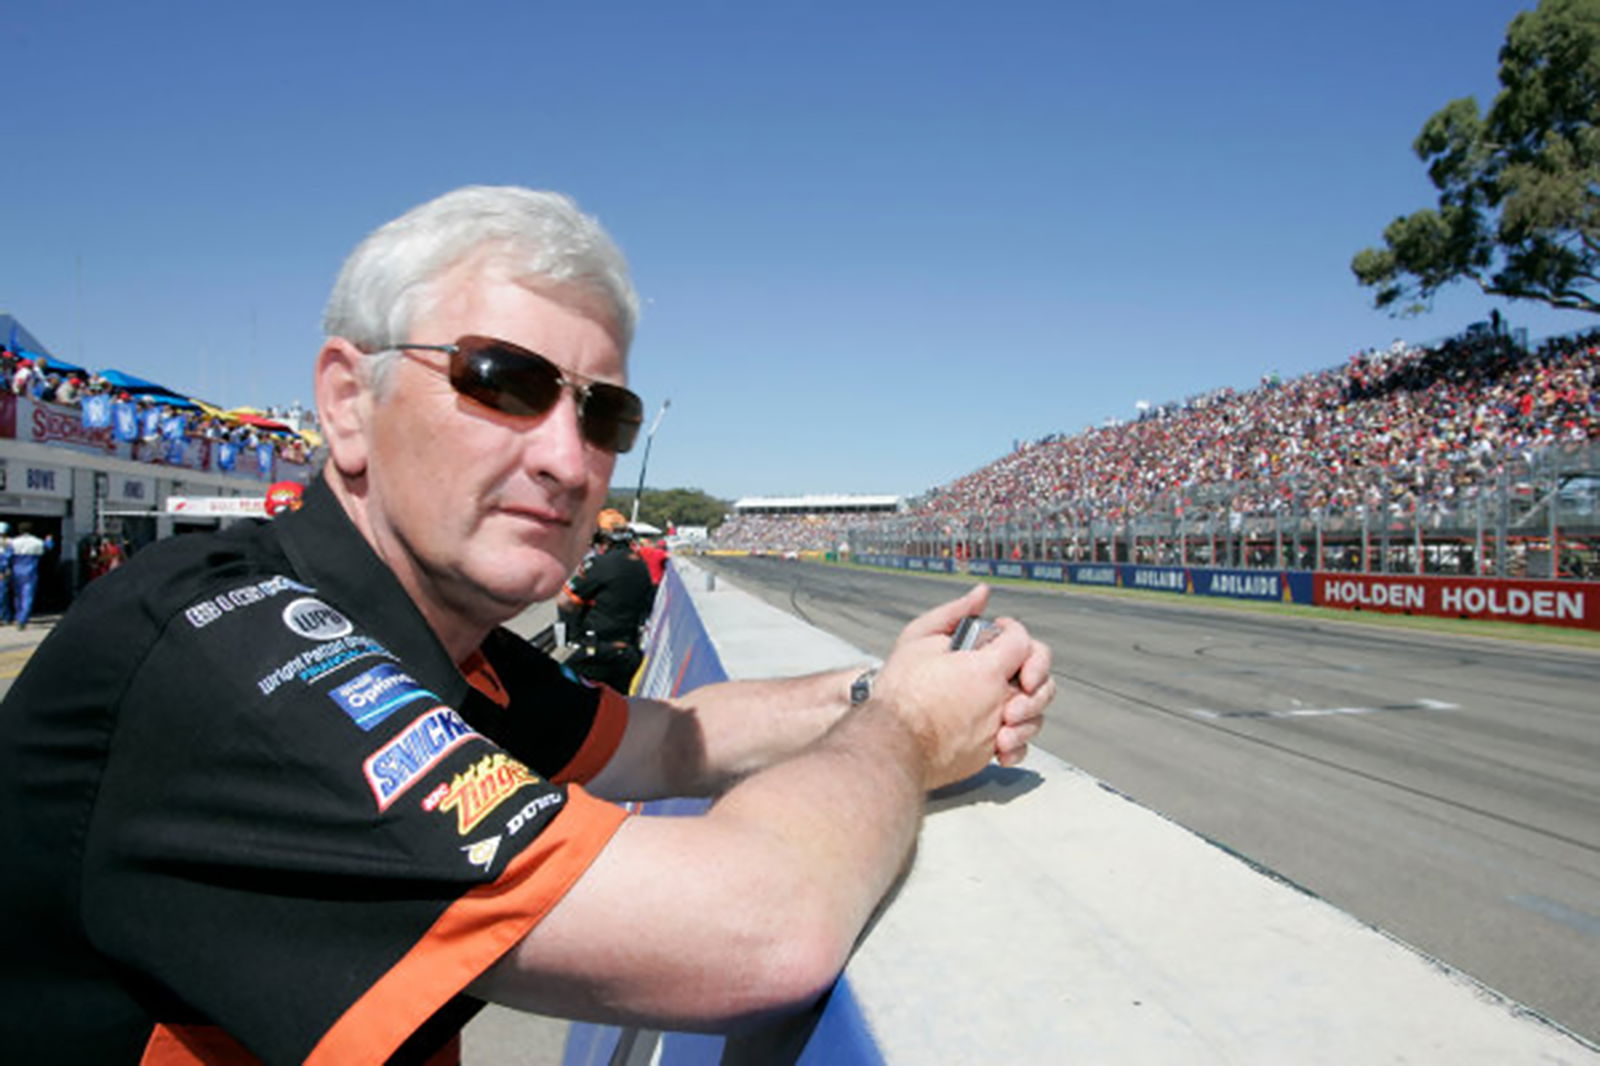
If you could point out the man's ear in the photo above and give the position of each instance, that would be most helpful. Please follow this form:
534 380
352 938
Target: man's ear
344 404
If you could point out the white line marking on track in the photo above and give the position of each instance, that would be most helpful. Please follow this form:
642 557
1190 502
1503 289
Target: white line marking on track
1322 712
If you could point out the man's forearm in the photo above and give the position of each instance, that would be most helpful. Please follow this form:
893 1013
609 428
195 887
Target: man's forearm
709 942
699 743
748 725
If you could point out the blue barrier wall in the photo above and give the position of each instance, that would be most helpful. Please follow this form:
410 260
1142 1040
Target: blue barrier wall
680 657
1282 586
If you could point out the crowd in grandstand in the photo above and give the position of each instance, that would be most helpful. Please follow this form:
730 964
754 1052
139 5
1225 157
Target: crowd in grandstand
1414 430
1415 427
783 533
33 378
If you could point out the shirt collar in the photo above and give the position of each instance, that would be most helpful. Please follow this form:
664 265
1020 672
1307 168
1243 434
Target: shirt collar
330 554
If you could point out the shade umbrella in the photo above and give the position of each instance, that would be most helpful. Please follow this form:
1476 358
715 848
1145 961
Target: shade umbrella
50 363
134 385
130 383
249 418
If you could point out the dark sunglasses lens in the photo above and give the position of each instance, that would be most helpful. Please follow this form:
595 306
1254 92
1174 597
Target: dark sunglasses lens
515 381
611 417
510 380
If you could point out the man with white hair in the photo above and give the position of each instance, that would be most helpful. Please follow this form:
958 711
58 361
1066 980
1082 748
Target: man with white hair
290 789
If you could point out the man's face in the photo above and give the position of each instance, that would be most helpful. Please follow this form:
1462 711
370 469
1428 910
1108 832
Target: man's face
482 513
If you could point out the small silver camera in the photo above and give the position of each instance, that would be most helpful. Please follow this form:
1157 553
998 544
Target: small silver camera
971 632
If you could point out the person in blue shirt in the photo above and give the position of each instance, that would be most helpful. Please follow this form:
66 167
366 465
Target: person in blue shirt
5 573
26 551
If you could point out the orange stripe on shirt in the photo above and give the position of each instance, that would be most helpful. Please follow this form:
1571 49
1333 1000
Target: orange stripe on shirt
474 933
610 721
480 675
605 735
194 1045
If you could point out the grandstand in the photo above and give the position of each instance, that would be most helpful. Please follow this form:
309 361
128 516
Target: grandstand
795 525
91 454
1479 455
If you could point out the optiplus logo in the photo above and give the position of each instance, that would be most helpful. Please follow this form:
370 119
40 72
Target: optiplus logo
378 693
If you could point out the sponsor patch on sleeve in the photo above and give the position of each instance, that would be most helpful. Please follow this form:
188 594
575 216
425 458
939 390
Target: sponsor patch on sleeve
418 748
482 787
378 693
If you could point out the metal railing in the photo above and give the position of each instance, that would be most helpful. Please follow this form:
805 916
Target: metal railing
1535 515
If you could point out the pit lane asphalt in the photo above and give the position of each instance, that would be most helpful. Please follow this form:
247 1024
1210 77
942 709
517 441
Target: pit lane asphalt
16 647
1443 787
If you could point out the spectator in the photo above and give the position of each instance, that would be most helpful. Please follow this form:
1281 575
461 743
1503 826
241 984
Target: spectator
608 601
344 807
26 552
6 557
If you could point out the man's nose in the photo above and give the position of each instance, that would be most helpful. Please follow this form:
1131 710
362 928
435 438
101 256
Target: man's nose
555 446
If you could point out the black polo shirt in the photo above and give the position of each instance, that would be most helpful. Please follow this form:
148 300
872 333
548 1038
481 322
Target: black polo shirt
245 795
616 589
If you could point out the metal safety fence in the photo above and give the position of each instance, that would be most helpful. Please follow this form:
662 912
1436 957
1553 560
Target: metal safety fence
1532 515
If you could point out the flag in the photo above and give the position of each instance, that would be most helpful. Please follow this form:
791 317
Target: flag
96 411
125 420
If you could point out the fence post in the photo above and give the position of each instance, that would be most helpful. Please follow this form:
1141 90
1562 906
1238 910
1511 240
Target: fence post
1501 532
1555 526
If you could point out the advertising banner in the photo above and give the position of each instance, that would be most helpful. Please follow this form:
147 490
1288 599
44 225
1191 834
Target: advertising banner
218 506
125 491
1047 571
1552 603
1563 603
123 437
1156 578
1093 574
36 479
678 655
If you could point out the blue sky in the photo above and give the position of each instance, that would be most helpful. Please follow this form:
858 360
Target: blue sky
877 243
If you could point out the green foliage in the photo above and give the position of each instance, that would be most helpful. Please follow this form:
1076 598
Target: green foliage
669 507
1519 189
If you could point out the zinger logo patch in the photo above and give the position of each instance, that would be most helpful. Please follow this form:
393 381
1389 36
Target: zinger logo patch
378 693
399 764
473 794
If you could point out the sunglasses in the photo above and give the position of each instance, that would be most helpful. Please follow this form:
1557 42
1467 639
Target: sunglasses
508 378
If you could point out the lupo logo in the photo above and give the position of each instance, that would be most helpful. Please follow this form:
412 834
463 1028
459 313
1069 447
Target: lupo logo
315 620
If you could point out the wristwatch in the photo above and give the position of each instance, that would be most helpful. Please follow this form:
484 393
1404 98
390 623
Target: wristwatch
861 687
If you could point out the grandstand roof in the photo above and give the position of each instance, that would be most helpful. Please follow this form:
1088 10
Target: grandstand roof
819 503
15 335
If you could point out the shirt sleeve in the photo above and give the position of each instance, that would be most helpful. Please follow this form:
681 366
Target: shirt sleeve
565 726
297 840
589 579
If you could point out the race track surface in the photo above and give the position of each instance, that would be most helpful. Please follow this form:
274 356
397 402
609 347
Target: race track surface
1444 788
